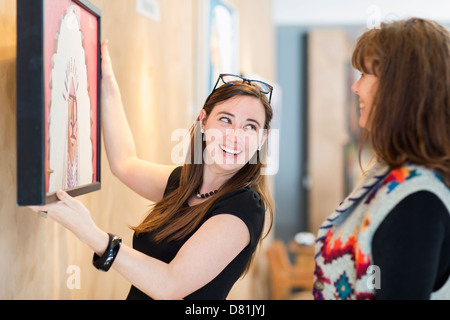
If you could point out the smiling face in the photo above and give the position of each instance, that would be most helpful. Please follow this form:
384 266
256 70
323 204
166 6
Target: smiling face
366 88
234 131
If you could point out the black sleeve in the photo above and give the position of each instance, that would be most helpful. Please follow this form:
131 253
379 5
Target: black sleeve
173 182
412 248
247 205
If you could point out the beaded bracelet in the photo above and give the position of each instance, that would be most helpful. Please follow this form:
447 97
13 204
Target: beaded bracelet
105 262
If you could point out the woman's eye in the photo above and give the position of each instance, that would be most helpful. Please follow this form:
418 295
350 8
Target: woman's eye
250 127
226 120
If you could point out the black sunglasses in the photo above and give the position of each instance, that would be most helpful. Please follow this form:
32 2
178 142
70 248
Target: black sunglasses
230 79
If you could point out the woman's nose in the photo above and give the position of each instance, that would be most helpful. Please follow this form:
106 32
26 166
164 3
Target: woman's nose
234 135
355 87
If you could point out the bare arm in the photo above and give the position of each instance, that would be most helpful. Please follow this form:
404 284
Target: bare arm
146 178
218 241
199 261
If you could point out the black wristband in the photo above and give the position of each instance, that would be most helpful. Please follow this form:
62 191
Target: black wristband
105 262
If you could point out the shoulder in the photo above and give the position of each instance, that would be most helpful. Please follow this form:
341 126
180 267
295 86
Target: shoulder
421 212
241 200
247 205
174 181
423 200
175 175
401 182
422 209
411 190
411 174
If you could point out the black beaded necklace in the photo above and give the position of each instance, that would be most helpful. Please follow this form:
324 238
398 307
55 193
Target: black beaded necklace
205 195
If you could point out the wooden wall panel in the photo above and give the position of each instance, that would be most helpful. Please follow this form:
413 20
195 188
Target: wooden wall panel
329 56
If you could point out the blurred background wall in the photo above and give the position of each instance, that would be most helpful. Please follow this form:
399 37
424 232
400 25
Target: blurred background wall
319 131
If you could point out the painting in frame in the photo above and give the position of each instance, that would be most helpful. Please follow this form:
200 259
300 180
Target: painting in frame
217 47
58 99
223 40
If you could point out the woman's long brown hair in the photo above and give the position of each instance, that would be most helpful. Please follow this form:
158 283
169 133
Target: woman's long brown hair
171 219
410 117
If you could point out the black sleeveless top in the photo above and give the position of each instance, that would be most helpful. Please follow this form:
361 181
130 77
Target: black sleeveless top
246 204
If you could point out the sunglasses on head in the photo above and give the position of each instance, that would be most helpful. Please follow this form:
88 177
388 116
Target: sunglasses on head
230 79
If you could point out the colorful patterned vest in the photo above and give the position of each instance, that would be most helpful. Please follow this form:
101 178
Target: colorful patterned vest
344 268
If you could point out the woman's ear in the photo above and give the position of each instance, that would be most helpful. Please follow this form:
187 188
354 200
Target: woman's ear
202 117
264 135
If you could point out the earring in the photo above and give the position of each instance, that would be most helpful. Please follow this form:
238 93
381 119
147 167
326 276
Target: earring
202 131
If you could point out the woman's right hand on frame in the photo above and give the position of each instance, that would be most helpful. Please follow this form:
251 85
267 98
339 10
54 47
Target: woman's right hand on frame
107 71
109 83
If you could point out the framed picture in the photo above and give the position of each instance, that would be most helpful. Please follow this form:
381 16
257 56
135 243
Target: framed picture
217 46
58 99
223 40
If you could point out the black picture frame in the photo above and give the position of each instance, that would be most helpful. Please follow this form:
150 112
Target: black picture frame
31 131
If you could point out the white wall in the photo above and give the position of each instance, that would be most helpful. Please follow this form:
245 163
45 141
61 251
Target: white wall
355 12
